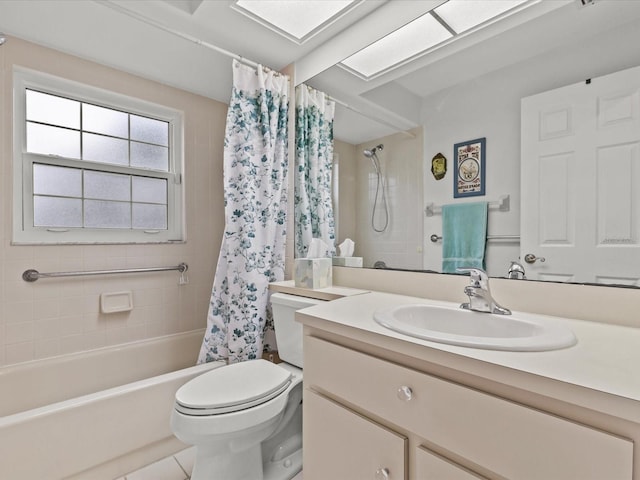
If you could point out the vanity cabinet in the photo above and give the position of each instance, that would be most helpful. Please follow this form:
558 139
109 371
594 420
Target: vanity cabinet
452 431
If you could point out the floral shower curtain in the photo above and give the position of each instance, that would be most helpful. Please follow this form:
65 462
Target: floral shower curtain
252 254
313 170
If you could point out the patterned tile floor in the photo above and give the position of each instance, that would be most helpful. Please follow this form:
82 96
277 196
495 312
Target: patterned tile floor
176 467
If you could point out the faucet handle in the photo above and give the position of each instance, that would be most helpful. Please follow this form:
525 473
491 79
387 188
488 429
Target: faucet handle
478 276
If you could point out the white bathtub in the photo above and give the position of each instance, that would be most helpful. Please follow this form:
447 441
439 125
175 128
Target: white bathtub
94 415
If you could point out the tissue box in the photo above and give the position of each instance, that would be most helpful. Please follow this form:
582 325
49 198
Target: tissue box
313 272
347 261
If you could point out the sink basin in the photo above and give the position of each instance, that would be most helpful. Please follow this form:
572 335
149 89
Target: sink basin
467 328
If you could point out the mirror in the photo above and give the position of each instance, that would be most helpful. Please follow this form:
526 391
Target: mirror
485 105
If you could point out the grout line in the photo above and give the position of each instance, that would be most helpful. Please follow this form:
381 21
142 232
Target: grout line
188 475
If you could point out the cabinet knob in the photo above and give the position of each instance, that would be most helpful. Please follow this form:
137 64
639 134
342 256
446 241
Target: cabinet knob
382 474
405 393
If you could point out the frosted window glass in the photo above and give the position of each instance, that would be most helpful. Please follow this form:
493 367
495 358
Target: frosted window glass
51 180
107 186
53 141
149 190
149 156
148 130
45 108
149 216
100 214
96 148
57 212
105 120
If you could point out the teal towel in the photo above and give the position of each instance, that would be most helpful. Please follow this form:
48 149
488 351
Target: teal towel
464 235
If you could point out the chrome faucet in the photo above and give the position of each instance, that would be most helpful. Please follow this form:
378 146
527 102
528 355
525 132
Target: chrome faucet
480 299
516 270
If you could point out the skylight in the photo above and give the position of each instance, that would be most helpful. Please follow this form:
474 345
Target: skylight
463 15
415 37
426 33
295 19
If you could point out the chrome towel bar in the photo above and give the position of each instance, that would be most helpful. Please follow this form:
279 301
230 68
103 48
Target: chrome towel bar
33 275
434 238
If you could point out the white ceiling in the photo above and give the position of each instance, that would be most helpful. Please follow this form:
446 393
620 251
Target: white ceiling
168 41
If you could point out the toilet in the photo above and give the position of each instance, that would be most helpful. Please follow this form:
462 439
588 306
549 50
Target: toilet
245 419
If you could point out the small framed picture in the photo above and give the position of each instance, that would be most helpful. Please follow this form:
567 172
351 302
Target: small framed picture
469 163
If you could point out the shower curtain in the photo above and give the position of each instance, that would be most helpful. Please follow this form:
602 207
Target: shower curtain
239 322
313 210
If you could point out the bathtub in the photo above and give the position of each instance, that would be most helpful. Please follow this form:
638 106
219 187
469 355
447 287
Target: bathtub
94 415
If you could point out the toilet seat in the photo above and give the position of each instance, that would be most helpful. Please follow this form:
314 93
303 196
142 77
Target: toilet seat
232 388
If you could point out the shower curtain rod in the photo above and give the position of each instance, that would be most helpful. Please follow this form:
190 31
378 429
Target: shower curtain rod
371 117
359 112
177 33
235 56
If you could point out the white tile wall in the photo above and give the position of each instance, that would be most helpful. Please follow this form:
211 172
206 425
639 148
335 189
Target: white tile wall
57 316
400 245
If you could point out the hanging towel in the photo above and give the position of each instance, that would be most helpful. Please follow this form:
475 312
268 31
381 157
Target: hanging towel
464 235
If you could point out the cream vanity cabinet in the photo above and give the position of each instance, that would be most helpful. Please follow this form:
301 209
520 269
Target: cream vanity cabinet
366 417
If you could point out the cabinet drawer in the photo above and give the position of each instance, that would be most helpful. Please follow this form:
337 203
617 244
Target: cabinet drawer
509 439
430 466
340 444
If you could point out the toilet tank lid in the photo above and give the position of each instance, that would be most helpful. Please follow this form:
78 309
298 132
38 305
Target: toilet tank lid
295 301
232 385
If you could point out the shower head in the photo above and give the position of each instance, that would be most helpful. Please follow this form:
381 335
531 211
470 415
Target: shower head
372 152
374 157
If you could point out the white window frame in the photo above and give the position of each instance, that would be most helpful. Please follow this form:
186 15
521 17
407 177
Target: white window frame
23 230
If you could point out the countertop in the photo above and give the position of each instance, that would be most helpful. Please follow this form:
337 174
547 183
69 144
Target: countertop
601 372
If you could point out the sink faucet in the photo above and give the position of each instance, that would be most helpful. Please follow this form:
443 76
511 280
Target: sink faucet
516 270
480 299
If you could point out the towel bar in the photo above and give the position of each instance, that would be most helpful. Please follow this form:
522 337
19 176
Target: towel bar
434 238
32 275
503 204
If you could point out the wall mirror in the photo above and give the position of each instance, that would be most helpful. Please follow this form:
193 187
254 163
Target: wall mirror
472 92
467 86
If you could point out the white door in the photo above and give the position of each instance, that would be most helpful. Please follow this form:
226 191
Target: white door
580 181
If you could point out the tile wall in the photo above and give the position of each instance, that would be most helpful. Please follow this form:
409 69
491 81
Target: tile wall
400 245
57 316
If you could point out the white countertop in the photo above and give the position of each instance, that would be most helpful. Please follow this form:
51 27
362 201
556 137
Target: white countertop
601 372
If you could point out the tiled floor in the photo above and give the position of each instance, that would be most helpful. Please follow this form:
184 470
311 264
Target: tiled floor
177 467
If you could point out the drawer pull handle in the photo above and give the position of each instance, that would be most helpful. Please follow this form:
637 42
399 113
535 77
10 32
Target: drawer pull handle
405 393
382 474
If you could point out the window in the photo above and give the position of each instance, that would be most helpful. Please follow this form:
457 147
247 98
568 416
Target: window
92 166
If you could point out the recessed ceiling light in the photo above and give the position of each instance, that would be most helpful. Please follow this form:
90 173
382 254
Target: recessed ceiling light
295 19
413 38
463 15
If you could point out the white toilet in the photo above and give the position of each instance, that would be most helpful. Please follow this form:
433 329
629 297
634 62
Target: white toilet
245 419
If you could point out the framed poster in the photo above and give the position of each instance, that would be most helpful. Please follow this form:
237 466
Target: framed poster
469 164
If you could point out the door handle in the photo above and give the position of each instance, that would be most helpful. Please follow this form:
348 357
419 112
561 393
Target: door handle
531 258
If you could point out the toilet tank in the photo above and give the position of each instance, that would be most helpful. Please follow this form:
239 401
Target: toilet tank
288 331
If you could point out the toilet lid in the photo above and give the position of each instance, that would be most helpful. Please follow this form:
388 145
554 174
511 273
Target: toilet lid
233 387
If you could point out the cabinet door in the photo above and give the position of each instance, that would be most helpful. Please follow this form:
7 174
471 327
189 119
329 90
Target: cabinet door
430 466
511 440
339 444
